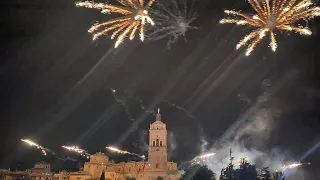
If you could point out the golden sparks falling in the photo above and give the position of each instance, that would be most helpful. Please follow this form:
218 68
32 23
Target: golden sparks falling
280 14
33 144
77 150
116 150
135 16
119 151
203 156
291 166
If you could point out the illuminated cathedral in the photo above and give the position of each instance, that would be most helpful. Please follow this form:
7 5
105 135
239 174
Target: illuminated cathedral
155 168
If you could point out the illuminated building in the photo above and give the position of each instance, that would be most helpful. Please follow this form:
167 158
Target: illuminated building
156 167
41 171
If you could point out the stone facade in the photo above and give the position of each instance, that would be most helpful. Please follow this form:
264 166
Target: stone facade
157 166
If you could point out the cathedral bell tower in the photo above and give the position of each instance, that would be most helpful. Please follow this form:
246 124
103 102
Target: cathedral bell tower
157 157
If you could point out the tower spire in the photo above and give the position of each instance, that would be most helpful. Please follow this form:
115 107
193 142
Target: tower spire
158 116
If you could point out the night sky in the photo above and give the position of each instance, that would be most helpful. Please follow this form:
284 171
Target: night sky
56 84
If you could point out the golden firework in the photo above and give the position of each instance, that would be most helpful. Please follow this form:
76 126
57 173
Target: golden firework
135 15
291 166
279 14
33 144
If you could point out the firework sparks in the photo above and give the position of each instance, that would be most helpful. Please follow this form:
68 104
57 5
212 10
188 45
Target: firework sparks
172 21
77 150
135 15
203 156
242 160
291 166
118 150
280 14
123 104
33 144
114 149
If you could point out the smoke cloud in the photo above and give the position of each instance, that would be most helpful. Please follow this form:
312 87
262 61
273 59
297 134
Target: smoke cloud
172 145
248 137
143 142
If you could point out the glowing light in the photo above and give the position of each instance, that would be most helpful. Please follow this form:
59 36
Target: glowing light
291 166
280 14
77 150
33 144
242 160
203 156
135 14
116 150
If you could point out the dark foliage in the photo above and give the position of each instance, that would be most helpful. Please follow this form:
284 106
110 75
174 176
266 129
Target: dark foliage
102 177
265 174
198 172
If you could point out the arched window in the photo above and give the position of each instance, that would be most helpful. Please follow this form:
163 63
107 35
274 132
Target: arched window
160 143
154 143
157 142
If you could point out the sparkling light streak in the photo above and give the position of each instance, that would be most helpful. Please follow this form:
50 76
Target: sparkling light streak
116 150
203 156
279 14
77 150
33 144
135 15
291 166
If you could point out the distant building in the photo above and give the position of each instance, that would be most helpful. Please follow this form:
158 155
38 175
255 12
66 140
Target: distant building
41 171
62 175
156 167
14 175
40 167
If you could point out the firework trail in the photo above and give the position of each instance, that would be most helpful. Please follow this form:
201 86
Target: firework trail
142 106
33 144
244 99
278 15
200 157
179 107
291 166
77 150
152 112
116 150
123 103
172 20
67 159
135 15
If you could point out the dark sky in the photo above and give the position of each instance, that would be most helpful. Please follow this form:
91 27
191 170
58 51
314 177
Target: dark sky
56 82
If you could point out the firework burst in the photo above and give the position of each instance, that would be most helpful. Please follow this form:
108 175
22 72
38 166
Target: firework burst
135 15
172 20
279 14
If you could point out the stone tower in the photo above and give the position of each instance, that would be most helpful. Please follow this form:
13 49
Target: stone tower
157 157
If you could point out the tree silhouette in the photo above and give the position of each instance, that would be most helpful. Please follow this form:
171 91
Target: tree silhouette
102 177
228 173
246 171
159 178
198 172
265 174
278 175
